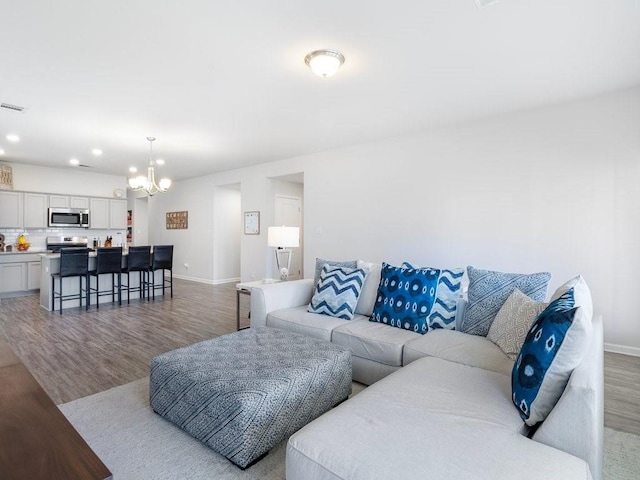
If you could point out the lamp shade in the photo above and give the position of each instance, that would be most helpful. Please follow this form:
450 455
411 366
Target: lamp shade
285 237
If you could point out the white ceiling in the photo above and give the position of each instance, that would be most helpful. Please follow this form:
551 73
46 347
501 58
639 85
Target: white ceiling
223 84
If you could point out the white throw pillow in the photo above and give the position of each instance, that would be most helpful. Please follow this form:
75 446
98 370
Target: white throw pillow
513 321
367 298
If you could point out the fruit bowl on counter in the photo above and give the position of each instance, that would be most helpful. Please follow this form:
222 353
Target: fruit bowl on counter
23 247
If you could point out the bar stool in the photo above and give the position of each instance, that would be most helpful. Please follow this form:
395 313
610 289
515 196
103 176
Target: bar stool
161 259
108 260
138 260
74 262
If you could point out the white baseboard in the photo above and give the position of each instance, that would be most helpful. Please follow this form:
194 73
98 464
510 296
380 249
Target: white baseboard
227 280
207 281
623 349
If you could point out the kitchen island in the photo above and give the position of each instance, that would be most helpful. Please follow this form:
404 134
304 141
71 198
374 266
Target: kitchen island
50 263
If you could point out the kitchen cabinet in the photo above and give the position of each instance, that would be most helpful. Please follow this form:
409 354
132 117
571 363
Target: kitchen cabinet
65 201
13 277
58 201
99 211
35 210
118 214
11 209
33 275
79 202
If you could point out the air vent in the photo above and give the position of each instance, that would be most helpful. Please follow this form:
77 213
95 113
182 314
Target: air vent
8 106
85 166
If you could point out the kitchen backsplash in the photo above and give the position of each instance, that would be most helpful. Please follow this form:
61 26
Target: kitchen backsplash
37 237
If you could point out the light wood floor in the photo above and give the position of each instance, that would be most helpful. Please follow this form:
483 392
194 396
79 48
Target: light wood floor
79 353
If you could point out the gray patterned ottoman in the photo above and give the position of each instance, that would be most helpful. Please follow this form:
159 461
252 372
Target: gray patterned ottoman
243 393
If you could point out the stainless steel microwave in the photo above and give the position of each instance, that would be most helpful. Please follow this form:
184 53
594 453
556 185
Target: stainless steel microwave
69 217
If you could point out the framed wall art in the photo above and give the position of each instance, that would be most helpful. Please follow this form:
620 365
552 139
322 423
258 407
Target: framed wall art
252 223
177 220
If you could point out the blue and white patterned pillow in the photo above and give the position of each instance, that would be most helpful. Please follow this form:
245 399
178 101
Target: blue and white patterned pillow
488 290
554 346
321 262
337 291
443 313
405 297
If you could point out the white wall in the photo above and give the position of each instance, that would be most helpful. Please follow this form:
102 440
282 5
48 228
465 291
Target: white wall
193 246
66 181
552 189
227 224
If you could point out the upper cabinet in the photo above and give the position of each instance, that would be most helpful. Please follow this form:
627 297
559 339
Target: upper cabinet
58 201
35 210
30 210
99 213
65 201
79 202
11 209
118 214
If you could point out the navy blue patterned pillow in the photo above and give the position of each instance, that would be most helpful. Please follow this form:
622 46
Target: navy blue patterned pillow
337 291
443 313
405 297
554 346
488 290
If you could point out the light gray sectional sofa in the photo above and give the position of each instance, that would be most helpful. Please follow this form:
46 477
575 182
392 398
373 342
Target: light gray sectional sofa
438 406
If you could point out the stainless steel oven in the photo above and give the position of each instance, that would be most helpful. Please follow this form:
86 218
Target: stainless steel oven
69 217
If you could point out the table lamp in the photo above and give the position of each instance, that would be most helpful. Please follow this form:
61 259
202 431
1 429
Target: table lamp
283 239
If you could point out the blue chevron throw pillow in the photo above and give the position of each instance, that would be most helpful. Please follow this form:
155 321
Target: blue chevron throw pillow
443 312
337 292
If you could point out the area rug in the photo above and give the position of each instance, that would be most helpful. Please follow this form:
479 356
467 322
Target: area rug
136 444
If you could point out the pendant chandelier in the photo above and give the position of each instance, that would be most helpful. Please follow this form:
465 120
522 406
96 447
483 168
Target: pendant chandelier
148 184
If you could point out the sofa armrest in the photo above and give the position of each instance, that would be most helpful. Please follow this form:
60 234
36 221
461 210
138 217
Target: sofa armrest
576 423
276 296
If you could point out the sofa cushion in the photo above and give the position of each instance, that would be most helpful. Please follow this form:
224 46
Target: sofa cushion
373 341
459 347
432 419
337 292
554 346
405 297
443 313
367 298
488 290
514 319
300 321
321 262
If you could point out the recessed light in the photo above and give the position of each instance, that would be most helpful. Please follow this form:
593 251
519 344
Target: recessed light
160 161
74 161
1 152
97 152
12 137
133 169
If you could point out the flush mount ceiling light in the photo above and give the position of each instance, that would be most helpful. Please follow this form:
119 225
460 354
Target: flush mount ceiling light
324 63
148 184
1 152
12 137
75 162
97 152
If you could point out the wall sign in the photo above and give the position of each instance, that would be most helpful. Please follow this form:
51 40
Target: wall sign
6 178
252 223
177 220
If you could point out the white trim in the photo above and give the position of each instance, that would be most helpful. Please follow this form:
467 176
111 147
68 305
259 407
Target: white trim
208 282
623 349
